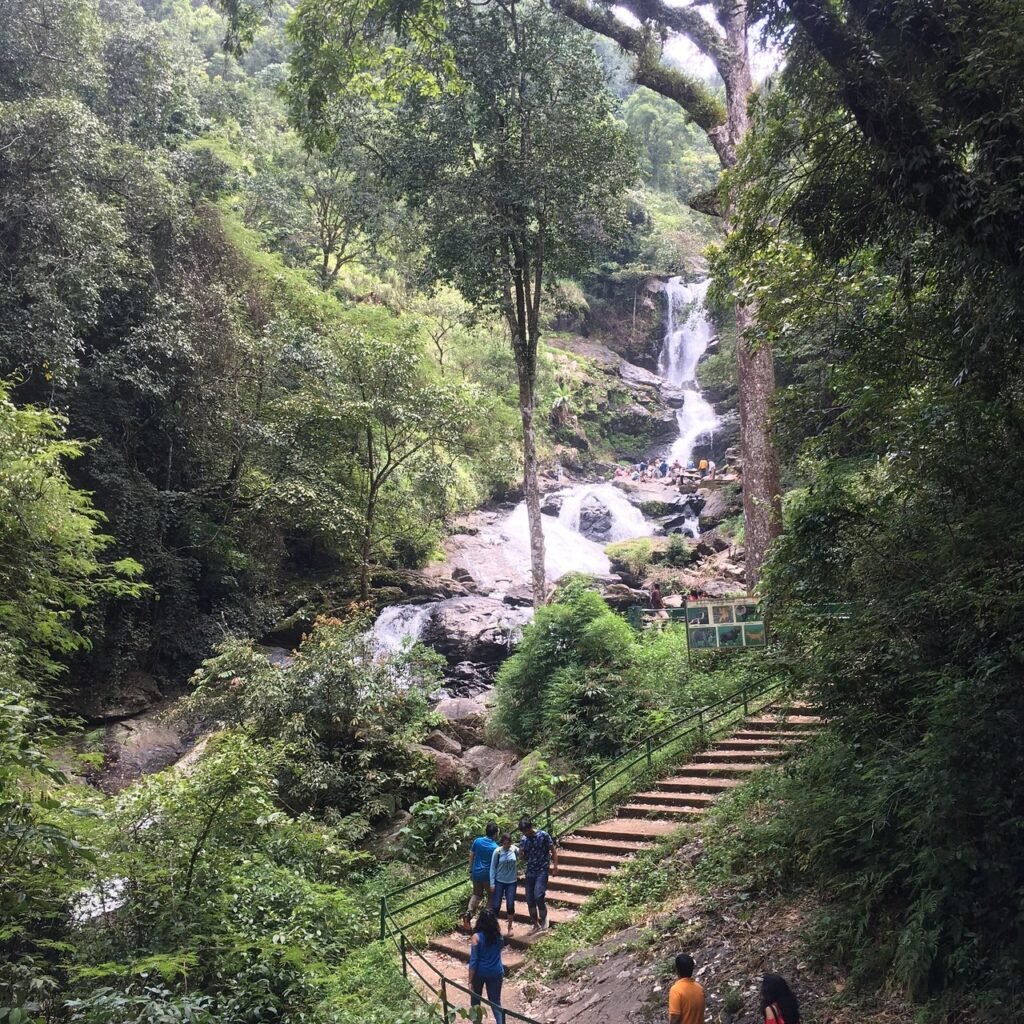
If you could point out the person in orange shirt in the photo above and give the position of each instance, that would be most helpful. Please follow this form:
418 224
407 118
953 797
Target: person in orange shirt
685 997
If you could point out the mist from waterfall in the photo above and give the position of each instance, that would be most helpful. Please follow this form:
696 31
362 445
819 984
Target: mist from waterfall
688 332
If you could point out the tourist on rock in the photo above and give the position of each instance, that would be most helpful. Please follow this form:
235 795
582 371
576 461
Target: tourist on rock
777 1000
702 468
485 965
505 877
480 854
538 851
711 468
663 468
685 997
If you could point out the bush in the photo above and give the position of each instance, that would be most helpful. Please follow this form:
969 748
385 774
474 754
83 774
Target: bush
345 716
635 555
679 553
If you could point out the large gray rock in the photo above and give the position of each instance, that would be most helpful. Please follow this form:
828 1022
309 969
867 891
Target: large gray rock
136 693
620 596
595 518
466 717
441 741
139 746
451 775
637 376
719 506
500 770
477 629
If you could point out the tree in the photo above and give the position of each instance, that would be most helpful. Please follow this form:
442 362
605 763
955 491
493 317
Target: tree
517 168
724 42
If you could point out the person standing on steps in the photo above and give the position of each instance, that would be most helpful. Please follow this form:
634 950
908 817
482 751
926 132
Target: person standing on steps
685 997
777 1000
480 854
505 877
485 964
538 850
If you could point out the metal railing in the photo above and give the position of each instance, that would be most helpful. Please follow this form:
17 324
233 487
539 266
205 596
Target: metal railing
584 803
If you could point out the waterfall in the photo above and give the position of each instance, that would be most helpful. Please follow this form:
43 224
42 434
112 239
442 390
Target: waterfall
399 623
627 521
688 332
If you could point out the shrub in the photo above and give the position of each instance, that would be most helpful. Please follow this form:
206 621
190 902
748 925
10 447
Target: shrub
679 553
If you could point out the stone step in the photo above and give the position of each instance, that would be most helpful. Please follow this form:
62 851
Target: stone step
630 831
572 856
727 769
674 798
740 743
600 847
556 915
790 723
567 899
737 756
596 873
696 784
782 735
660 811
457 947
566 883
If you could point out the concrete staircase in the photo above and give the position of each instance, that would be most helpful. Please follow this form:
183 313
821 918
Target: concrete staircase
590 855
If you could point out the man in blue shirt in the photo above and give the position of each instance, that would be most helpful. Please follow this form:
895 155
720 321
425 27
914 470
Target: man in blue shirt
480 854
538 851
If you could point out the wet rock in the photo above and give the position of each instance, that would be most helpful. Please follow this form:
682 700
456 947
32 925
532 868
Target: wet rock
441 741
466 717
468 678
595 518
452 776
135 693
477 629
464 576
673 395
552 504
719 505
139 746
637 376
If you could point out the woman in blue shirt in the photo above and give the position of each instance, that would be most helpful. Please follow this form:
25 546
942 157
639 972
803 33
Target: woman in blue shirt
504 876
485 966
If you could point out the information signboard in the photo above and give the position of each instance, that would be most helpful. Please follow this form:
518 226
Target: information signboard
724 624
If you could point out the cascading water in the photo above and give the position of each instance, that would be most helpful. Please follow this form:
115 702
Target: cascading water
399 623
688 332
625 519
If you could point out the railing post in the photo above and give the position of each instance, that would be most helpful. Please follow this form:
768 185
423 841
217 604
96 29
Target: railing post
593 796
401 946
746 701
444 997
383 918
650 759
700 727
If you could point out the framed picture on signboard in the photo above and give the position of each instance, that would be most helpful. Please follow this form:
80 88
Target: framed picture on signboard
703 638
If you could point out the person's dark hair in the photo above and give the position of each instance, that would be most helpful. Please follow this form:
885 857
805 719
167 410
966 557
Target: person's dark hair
775 992
505 837
491 829
487 925
685 965
525 823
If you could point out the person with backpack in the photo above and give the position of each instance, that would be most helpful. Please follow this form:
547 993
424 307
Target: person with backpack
479 866
778 1002
485 963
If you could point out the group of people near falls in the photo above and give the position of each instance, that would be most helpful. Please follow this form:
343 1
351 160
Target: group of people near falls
674 474
496 864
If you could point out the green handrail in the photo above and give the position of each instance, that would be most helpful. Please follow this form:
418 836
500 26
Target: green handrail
705 718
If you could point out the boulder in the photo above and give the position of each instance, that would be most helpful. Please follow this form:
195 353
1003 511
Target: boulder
620 596
505 772
672 395
136 693
552 504
441 741
637 376
595 518
518 597
468 678
452 776
718 506
466 717
463 576
477 629
139 746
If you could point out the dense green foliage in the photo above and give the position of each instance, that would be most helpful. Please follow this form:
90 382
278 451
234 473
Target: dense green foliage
880 233
584 685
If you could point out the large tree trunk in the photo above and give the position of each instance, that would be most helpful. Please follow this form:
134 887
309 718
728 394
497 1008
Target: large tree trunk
530 488
755 363
762 505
